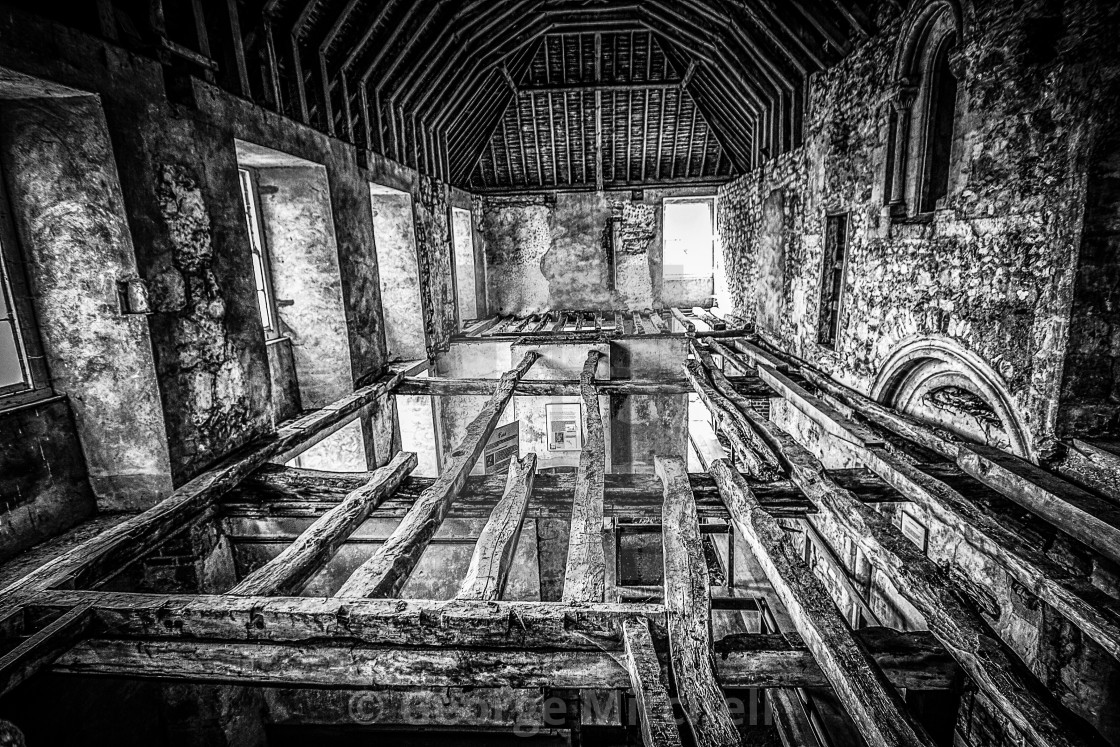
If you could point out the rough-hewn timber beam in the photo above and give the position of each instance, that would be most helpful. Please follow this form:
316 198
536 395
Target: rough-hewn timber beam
493 553
688 607
585 572
655 710
758 459
910 660
380 622
949 613
110 551
387 571
285 492
349 666
290 571
557 388
43 647
863 689
1074 598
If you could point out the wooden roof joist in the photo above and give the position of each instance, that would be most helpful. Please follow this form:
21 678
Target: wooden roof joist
951 616
428 64
284 492
1075 598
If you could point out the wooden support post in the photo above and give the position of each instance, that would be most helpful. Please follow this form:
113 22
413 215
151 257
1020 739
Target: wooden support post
43 647
289 572
585 572
949 613
688 607
655 710
756 455
387 571
493 554
869 698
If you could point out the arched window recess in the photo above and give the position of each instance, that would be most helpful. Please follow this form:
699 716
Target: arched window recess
924 113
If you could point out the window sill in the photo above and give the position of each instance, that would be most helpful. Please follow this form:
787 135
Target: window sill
918 219
12 403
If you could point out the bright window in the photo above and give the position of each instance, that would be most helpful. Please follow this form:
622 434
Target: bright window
689 237
262 275
14 375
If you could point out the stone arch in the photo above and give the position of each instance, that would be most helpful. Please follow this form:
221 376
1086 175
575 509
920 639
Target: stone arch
917 29
936 380
924 116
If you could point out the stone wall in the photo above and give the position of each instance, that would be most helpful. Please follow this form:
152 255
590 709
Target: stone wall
992 271
174 151
555 253
43 484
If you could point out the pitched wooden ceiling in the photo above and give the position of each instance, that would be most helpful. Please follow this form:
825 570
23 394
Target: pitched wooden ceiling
498 95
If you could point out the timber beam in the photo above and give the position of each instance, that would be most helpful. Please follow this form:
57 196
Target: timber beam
290 571
861 686
585 571
388 570
950 614
287 492
688 609
1075 598
909 660
493 554
102 556
304 621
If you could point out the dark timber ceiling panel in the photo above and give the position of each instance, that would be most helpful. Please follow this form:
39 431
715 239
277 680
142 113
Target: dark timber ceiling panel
634 102
540 94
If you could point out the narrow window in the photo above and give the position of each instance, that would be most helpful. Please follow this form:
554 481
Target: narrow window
14 373
23 370
262 273
832 278
939 128
689 237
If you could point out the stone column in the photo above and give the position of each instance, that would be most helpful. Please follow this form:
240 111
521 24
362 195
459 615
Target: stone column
903 102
